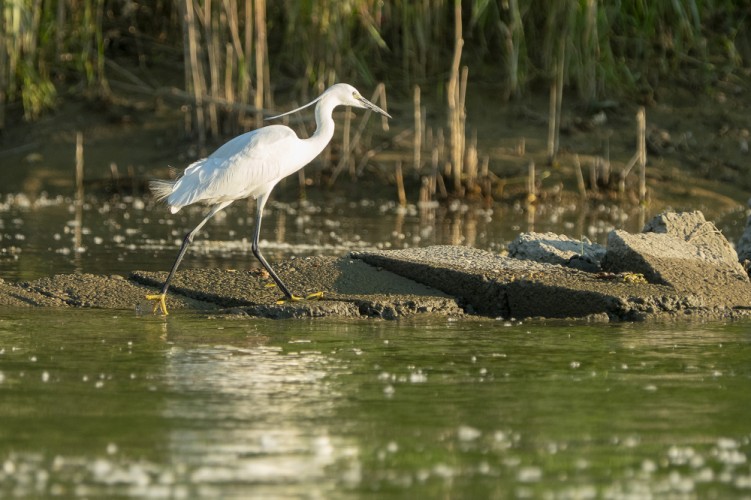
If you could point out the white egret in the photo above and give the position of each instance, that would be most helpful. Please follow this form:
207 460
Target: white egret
251 165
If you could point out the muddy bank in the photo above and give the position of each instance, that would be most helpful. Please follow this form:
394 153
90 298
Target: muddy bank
679 266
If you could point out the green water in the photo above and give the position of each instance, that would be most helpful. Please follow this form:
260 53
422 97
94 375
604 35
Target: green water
107 404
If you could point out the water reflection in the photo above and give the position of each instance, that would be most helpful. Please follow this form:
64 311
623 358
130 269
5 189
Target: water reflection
257 416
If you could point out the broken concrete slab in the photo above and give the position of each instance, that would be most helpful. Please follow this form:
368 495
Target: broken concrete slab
691 227
670 261
558 249
491 284
351 289
686 252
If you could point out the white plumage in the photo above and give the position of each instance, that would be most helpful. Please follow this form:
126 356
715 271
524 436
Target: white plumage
250 165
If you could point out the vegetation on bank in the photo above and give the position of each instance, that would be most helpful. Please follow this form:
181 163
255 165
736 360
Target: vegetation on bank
224 59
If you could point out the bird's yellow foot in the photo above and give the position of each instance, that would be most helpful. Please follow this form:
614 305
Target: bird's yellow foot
295 298
160 305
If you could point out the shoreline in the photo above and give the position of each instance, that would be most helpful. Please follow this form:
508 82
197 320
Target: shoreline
678 267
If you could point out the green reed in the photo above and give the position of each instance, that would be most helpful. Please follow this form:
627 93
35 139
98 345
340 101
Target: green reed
236 55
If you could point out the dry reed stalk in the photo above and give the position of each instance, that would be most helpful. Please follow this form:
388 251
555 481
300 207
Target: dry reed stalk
561 68
640 157
434 159
245 87
417 142
512 36
486 185
556 103
229 71
211 40
454 97
471 162
3 61
424 197
626 170
441 186
262 76
437 178
521 146
531 183
100 42
234 53
193 69
551 120
441 148
79 168
603 169
400 184
593 176
301 183
607 165
641 134
78 230
380 91
580 178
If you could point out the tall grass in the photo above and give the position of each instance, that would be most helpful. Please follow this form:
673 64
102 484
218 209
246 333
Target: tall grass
237 54
241 47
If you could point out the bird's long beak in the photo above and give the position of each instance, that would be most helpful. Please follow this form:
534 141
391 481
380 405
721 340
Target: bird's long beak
296 109
366 103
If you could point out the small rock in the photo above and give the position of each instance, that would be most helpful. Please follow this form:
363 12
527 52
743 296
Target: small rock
558 249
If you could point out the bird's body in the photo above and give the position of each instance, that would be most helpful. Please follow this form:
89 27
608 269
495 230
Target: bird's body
237 170
250 165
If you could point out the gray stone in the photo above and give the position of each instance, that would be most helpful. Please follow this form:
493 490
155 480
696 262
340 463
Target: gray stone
691 227
667 260
558 249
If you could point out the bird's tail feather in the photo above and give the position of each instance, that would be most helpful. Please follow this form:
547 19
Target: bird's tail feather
161 188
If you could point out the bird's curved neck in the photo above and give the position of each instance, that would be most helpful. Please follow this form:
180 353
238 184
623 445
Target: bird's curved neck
324 123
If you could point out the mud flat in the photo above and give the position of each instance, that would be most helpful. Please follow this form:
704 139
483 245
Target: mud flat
679 266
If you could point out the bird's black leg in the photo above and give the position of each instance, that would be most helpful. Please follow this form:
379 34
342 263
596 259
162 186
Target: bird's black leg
254 247
162 295
183 248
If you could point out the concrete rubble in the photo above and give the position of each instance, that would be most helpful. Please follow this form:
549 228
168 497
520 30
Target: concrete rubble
679 266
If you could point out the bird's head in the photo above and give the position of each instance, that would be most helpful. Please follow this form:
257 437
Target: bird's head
347 95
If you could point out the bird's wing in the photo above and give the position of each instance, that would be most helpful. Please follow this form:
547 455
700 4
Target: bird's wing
242 167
